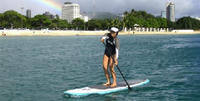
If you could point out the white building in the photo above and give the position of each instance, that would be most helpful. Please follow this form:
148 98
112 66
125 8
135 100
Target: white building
170 11
85 18
70 11
198 18
163 14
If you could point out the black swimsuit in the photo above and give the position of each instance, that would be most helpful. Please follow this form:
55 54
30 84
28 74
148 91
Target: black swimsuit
110 46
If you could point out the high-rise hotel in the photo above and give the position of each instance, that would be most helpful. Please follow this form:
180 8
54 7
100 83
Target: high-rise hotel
70 11
170 11
28 13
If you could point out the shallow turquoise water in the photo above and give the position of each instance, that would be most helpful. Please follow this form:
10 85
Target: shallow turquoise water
42 68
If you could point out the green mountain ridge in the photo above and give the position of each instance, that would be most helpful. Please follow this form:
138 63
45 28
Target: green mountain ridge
102 15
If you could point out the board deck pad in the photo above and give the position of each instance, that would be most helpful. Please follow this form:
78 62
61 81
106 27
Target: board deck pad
101 89
119 84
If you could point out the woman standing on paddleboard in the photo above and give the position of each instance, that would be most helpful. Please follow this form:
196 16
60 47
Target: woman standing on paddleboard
111 52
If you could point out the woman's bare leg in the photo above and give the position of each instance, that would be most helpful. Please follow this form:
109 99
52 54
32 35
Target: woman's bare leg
112 69
105 67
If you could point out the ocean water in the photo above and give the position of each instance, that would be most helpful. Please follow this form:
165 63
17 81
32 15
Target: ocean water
42 68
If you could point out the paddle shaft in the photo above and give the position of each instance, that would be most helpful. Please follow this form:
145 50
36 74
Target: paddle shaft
118 68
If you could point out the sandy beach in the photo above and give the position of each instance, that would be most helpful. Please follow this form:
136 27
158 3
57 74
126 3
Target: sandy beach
77 33
158 33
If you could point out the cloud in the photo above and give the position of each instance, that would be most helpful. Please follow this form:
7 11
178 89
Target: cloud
183 7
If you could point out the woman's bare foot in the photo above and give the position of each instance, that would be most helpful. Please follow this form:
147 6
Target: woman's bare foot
106 84
113 85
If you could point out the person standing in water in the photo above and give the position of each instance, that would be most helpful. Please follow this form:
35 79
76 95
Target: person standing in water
111 50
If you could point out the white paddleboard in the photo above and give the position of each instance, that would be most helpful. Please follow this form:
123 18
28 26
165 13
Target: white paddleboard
101 90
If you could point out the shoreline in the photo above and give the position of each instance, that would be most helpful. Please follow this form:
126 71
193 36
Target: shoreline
160 33
81 33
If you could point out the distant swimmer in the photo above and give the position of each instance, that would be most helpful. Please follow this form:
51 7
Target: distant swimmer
111 50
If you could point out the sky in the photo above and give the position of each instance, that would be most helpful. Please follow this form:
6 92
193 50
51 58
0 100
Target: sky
182 7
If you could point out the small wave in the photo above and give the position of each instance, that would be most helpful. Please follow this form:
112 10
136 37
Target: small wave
186 39
182 45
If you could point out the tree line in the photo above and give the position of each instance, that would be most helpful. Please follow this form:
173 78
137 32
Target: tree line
13 19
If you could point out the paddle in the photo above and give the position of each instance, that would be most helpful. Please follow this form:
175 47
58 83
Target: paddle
118 68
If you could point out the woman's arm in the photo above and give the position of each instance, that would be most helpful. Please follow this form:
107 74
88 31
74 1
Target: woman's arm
117 51
117 47
104 37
